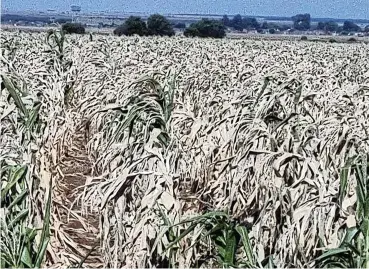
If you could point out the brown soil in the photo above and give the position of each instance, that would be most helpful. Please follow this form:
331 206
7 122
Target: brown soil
76 166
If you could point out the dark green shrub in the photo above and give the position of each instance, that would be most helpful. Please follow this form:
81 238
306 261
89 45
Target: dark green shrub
73 28
352 39
206 28
332 40
132 26
159 25
304 38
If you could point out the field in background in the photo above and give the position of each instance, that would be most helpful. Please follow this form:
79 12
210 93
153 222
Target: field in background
232 35
143 133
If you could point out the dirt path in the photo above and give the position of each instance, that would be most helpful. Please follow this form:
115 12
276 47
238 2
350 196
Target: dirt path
81 229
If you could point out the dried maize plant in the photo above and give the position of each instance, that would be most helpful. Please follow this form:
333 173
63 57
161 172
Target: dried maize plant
32 114
258 130
138 152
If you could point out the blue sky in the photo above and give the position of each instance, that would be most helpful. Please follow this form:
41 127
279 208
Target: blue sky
317 8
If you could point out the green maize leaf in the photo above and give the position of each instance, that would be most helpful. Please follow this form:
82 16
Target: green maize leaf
204 217
221 251
220 239
242 231
33 116
18 199
14 177
45 236
365 231
216 228
352 248
343 183
334 264
26 257
19 217
333 253
181 236
167 222
230 249
30 233
14 94
351 233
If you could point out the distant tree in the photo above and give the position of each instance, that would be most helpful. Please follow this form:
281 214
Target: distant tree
264 25
237 23
180 25
320 26
73 28
366 29
274 26
349 26
304 38
250 23
284 27
226 21
301 22
272 31
331 26
133 25
206 28
159 25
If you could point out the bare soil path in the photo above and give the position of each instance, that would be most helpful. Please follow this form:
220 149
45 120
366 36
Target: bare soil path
82 229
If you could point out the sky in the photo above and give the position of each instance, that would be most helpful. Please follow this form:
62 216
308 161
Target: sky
355 9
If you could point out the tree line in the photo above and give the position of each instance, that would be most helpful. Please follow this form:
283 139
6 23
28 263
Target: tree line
301 22
158 25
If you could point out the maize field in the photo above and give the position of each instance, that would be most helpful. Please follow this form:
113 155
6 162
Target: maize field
159 152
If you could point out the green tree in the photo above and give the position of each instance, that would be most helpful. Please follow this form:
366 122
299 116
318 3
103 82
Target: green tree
320 26
237 23
274 26
226 21
264 25
366 29
301 22
331 26
206 28
250 23
349 26
133 25
159 25
73 28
